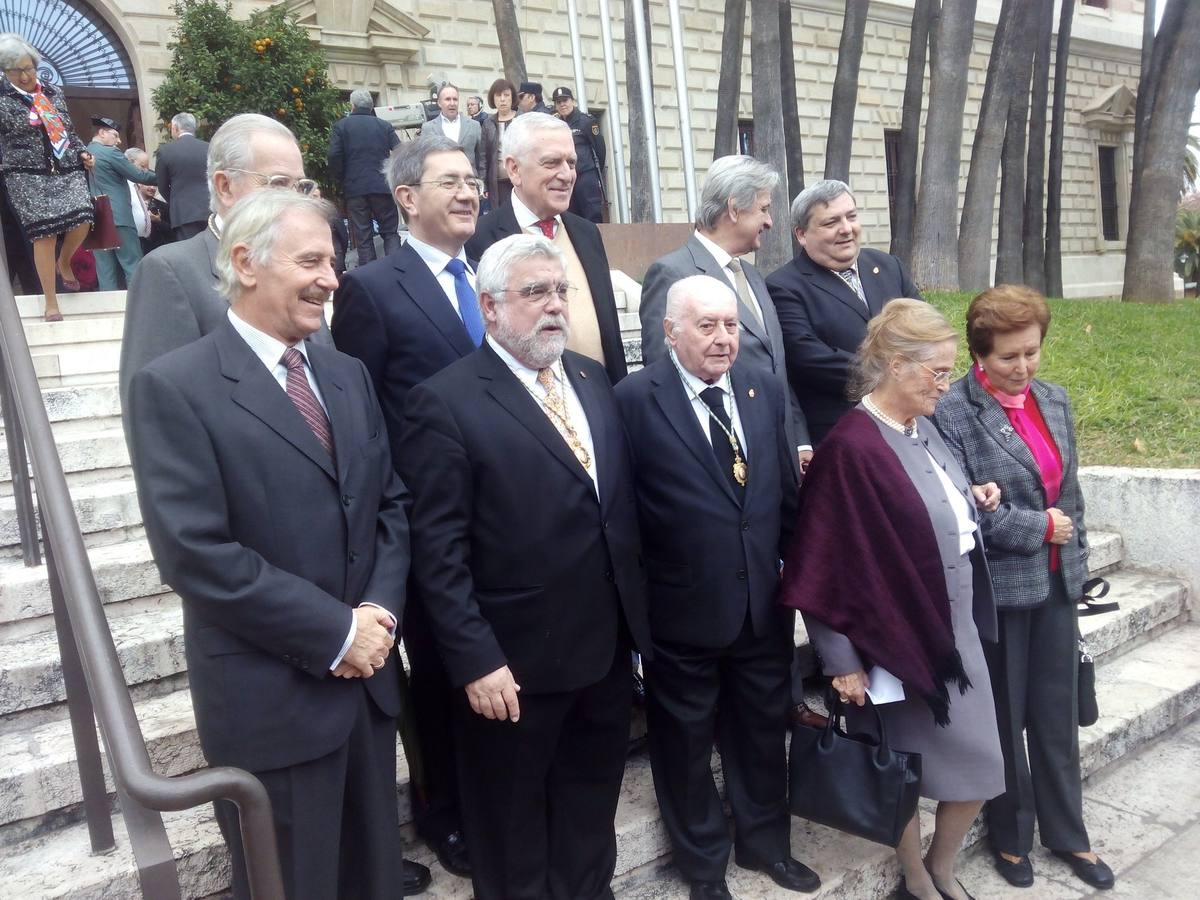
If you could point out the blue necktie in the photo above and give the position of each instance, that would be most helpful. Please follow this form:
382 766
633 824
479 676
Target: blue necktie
468 303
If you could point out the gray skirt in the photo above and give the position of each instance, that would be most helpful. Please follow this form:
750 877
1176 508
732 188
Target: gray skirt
48 205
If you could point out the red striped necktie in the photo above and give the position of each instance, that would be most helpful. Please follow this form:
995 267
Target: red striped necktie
547 226
305 401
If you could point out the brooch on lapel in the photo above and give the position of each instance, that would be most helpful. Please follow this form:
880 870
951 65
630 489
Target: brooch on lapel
1007 431
875 270
750 393
582 374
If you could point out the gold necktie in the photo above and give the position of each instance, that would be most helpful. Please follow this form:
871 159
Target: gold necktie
743 289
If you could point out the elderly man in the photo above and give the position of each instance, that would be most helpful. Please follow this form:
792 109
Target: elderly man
407 317
182 181
273 511
111 175
716 496
826 295
535 605
463 130
173 298
540 159
358 148
475 109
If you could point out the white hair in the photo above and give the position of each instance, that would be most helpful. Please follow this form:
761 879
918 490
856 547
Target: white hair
737 178
13 47
132 154
521 134
694 287
823 192
230 147
255 222
185 122
499 259
362 99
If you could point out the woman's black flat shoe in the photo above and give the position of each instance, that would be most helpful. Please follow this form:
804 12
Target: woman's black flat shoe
1018 874
946 896
903 893
1097 873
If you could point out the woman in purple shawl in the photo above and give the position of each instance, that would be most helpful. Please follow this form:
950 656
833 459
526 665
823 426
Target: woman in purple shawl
888 570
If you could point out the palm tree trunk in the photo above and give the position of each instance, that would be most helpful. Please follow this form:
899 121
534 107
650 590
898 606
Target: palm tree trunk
729 87
1054 283
512 55
791 115
1033 246
925 14
776 246
1010 267
840 141
642 207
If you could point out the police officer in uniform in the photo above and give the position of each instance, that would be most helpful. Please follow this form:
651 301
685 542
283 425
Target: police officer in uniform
587 200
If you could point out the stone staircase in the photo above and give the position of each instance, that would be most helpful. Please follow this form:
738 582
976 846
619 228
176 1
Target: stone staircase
1148 655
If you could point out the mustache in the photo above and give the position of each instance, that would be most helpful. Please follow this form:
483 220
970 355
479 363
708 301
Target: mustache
551 320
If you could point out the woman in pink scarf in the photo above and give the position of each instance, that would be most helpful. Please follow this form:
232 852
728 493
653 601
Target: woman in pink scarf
42 162
1004 425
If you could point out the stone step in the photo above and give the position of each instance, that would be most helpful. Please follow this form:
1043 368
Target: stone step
78 365
83 304
1143 694
106 506
71 331
96 454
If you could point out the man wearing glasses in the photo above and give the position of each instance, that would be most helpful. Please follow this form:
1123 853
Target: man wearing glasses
408 316
173 297
526 558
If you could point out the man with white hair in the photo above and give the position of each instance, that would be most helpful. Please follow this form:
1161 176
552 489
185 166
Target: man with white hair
181 170
272 509
358 148
526 558
540 159
173 297
716 494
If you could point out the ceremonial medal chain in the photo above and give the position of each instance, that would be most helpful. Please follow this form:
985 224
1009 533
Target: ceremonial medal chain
563 424
740 469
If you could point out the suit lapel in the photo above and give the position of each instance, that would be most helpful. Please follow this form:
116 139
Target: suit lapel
603 443
337 406
706 264
676 404
995 421
869 277
833 285
257 391
1054 414
419 283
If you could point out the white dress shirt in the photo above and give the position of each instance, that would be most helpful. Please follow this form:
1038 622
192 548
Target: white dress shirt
141 215
693 387
721 255
437 260
527 219
958 503
270 351
578 418
452 128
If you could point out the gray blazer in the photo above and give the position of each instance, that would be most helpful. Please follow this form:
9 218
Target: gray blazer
977 432
173 300
759 345
470 138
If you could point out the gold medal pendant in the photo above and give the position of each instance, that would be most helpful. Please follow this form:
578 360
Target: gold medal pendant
739 470
583 456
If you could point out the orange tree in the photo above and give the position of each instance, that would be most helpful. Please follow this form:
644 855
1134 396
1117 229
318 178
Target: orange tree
221 67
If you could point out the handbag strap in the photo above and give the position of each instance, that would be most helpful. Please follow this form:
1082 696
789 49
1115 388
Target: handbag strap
837 709
1093 590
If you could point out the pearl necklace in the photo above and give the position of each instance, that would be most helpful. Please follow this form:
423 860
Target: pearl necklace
873 409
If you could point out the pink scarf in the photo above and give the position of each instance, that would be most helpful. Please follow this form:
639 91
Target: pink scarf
1029 425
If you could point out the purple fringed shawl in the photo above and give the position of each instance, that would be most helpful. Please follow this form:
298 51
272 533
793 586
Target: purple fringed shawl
865 562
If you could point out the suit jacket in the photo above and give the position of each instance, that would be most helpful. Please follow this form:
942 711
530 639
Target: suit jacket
173 300
111 176
709 557
268 541
394 316
358 147
23 147
977 431
758 345
470 138
823 321
541 586
182 170
589 247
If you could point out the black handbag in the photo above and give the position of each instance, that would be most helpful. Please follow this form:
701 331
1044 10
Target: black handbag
853 783
1089 710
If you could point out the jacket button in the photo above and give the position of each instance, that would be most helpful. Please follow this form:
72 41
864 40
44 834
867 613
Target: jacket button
745 526
353 556
346 498
608 574
741 574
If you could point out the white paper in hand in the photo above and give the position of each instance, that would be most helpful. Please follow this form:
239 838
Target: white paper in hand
885 687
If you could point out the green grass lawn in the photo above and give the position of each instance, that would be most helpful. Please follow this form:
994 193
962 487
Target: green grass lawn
1132 372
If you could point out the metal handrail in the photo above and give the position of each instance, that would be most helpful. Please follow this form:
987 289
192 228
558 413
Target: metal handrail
86 643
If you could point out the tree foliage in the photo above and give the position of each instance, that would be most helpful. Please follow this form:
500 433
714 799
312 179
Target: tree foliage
266 64
1187 244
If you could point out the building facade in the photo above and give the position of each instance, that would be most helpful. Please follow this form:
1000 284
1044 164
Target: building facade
396 47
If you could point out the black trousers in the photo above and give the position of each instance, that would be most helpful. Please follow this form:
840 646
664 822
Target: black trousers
750 681
1034 669
539 797
435 799
336 823
362 211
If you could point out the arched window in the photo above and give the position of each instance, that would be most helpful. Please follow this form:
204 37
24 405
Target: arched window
78 47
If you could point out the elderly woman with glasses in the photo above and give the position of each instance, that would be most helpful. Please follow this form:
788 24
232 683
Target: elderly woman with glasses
1005 425
888 570
42 162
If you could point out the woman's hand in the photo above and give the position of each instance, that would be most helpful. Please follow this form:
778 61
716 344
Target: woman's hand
87 159
987 496
852 688
1063 527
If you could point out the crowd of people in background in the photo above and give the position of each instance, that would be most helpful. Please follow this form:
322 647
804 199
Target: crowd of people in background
462 460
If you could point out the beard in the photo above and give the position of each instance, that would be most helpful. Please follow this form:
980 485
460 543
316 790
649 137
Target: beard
535 348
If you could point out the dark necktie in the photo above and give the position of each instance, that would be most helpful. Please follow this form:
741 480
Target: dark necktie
714 399
468 303
547 226
851 278
305 401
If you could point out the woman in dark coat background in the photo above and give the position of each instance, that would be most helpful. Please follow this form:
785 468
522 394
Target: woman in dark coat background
1004 425
43 163
887 568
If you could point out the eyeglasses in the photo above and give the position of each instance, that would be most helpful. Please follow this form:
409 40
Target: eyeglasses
300 185
452 185
22 70
940 376
539 292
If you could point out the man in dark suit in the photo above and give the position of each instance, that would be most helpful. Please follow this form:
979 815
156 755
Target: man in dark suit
173 297
716 499
272 509
826 295
406 317
183 178
539 156
526 556
358 147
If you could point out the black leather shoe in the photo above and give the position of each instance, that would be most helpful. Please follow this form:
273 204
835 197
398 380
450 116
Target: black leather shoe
452 854
414 878
710 890
1097 873
946 896
788 873
1018 874
903 893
